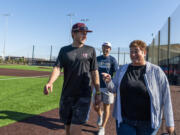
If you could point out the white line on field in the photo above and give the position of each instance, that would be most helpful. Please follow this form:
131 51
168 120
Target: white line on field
25 77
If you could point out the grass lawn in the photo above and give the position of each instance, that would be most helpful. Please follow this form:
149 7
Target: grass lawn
27 67
22 98
7 77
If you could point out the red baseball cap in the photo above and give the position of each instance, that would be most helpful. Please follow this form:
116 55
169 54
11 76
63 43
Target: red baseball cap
80 27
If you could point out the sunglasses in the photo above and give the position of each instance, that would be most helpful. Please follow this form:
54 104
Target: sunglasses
81 29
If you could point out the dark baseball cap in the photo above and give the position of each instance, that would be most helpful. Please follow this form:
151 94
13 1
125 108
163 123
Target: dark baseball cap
80 27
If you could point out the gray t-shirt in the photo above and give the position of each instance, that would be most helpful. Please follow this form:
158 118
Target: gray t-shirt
77 64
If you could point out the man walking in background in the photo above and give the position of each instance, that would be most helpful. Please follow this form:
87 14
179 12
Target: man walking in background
106 64
79 64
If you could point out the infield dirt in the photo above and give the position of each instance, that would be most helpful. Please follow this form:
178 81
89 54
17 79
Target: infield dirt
22 73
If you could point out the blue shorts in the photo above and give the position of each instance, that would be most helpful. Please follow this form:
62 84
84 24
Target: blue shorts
129 127
74 110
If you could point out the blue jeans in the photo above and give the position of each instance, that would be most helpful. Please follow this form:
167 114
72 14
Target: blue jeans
128 127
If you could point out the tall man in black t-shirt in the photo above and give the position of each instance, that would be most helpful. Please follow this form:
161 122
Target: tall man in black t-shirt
80 65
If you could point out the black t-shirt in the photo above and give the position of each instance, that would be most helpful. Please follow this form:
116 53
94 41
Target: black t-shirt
135 100
77 64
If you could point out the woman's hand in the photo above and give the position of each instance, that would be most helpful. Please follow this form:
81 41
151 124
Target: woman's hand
106 77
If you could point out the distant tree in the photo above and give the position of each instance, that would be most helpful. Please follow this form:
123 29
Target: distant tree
21 60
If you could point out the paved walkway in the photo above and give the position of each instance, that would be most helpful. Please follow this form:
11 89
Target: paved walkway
175 96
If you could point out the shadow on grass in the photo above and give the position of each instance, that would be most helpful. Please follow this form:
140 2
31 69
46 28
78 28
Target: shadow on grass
50 123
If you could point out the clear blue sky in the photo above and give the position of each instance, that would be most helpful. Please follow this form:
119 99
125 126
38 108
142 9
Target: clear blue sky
45 22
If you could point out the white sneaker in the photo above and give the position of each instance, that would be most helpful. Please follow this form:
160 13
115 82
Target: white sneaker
100 120
101 131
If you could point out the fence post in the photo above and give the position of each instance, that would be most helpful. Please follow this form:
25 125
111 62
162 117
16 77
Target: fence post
50 53
159 38
118 54
168 51
33 55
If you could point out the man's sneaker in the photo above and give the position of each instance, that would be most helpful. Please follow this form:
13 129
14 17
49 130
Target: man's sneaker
101 131
100 120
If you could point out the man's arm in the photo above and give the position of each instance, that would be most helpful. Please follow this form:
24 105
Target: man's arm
96 83
54 75
95 80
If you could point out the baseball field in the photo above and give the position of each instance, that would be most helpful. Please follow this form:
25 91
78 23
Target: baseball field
21 91
25 110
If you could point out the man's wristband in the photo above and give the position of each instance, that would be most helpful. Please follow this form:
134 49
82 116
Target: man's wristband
98 92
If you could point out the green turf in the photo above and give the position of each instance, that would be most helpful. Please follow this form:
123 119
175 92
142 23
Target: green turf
6 77
27 67
22 98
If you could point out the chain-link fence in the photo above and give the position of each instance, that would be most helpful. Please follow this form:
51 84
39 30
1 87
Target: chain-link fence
36 54
165 48
120 54
39 54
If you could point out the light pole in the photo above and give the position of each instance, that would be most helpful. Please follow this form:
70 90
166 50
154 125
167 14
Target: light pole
100 51
5 33
70 16
84 20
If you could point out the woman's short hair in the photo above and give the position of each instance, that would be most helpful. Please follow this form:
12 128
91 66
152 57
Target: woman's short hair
138 43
